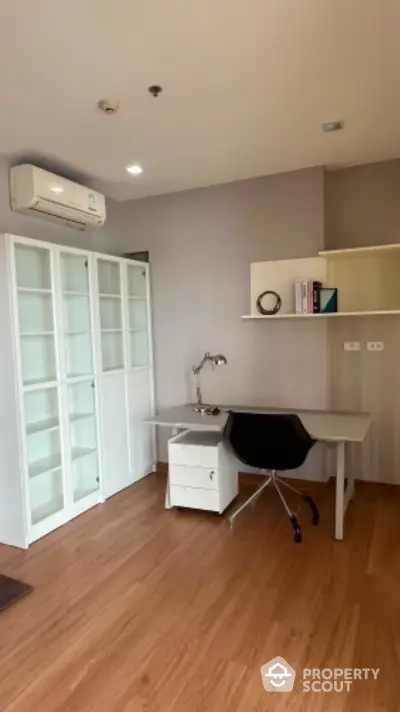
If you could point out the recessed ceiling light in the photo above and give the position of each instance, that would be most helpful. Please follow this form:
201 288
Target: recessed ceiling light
330 126
57 188
135 169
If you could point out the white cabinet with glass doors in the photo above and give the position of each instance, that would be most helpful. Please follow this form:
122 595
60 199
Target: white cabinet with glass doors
78 383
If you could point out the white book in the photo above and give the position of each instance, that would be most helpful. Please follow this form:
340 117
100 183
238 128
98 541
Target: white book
298 296
304 295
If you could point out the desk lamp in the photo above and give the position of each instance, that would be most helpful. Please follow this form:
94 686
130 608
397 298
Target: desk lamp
216 360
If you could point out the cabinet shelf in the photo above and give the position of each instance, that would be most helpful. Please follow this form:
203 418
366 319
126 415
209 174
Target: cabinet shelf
74 417
42 425
78 452
110 295
72 293
34 383
77 333
33 334
33 290
111 331
47 464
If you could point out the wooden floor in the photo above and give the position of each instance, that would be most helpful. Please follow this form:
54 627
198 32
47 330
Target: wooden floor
139 609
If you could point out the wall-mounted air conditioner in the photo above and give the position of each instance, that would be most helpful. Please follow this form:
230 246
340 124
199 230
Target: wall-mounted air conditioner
39 193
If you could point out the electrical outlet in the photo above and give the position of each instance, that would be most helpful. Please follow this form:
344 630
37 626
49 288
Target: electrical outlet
351 345
375 346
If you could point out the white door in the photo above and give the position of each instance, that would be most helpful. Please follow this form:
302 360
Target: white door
140 378
141 436
46 489
79 392
113 381
114 434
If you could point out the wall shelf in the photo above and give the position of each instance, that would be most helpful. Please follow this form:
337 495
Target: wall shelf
373 251
366 279
378 312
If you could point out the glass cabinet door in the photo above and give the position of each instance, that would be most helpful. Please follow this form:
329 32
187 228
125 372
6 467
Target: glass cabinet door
35 314
111 325
83 440
138 315
76 315
43 442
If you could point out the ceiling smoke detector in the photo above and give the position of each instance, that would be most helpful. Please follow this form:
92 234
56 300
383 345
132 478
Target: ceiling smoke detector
109 106
330 126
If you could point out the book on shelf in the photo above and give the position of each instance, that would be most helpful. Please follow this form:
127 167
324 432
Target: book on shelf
307 296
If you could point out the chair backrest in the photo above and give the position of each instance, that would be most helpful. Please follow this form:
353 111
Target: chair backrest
268 441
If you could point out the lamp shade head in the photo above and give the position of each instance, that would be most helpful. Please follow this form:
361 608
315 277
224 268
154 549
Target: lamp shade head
219 360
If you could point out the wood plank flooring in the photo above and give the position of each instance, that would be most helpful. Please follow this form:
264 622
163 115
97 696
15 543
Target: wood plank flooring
138 609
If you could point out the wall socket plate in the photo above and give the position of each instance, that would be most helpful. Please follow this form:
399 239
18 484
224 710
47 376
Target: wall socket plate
375 346
351 346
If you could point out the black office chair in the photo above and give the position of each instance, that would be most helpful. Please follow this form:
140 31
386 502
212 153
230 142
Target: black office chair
272 443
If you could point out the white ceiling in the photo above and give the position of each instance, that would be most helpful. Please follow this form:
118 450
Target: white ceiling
247 84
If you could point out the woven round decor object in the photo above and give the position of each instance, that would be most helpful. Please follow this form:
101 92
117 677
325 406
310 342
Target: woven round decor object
275 308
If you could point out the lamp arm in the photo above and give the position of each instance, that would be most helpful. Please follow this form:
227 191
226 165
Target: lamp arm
206 357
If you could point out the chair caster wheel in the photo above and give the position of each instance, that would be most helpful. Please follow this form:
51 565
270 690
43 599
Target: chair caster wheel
297 530
314 509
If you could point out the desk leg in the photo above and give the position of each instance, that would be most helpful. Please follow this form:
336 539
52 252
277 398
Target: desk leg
168 505
340 506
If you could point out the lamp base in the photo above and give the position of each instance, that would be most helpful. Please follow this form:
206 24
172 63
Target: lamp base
205 409
201 408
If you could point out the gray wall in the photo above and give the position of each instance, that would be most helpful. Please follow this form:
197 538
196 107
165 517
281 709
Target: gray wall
363 208
102 240
363 205
201 243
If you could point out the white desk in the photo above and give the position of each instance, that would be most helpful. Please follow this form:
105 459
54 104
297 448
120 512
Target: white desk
324 426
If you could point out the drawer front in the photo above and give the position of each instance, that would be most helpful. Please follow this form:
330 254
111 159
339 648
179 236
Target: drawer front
193 455
194 498
203 477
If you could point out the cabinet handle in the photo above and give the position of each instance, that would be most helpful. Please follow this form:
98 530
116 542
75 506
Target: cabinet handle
212 475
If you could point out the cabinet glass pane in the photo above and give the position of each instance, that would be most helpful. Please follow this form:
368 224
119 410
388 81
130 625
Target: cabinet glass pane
46 495
77 317
138 314
83 440
137 281
41 411
35 312
38 358
81 401
74 273
32 267
43 453
109 277
139 348
112 350
110 313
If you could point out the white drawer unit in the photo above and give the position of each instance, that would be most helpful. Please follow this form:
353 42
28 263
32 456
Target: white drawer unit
202 471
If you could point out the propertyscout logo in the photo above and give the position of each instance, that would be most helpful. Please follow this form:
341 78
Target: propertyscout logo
278 676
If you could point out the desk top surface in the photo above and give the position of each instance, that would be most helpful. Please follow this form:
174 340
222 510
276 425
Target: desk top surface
321 424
